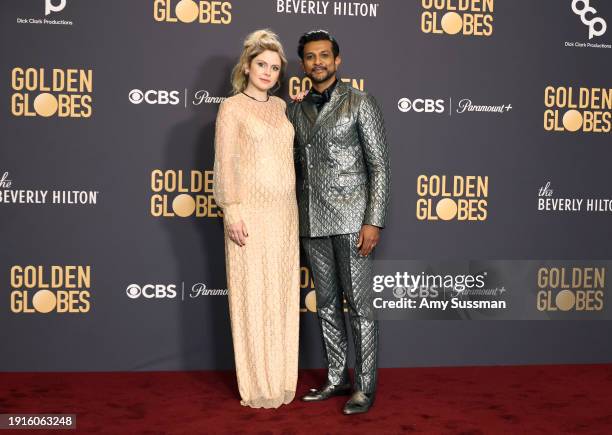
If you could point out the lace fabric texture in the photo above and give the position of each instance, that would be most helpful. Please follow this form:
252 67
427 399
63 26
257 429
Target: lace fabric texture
255 182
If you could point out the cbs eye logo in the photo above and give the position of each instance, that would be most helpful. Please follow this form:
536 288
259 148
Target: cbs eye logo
151 291
153 96
420 105
592 23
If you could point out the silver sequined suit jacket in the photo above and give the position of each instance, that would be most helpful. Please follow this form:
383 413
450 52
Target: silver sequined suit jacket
342 163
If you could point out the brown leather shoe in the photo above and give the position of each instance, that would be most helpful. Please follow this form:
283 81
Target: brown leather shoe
359 403
327 391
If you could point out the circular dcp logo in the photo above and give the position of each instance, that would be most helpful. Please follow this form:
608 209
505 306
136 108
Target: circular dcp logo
133 291
136 96
591 23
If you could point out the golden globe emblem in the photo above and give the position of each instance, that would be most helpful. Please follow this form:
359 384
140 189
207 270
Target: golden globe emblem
565 300
45 104
452 23
183 205
187 11
44 301
446 209
572 120
311 301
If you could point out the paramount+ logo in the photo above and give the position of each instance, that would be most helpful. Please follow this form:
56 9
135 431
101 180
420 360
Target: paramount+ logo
178 193
53 289
574 109
189 11
49 92
571 288
458 17
456 197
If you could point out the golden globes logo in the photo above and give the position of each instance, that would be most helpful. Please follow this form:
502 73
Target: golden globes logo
301 84
50 289
452 17
306 283
188 11
47 92
571 288
310 300
462 198
577 109
183 194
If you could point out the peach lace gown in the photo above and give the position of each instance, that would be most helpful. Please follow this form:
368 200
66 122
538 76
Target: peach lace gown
255 182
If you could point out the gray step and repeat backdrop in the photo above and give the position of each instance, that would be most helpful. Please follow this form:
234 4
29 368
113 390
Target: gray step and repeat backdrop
498 113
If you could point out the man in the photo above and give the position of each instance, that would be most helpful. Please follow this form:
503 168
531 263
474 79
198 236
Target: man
343 195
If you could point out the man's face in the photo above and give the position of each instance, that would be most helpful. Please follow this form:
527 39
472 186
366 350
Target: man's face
319 63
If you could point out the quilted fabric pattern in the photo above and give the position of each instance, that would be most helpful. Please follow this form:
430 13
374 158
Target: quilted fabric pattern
342 163
338 270
255 182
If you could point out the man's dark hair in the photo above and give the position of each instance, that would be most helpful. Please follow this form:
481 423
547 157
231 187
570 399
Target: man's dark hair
317 35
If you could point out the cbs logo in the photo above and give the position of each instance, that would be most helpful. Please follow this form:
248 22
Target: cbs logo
151 291
587 9
153 96
421 105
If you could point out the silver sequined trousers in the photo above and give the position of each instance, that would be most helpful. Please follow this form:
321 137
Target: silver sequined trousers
338 269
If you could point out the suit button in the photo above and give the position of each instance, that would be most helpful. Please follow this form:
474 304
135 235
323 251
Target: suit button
308 145
331 164
311 166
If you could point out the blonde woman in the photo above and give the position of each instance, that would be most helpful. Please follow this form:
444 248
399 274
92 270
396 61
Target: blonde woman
255 187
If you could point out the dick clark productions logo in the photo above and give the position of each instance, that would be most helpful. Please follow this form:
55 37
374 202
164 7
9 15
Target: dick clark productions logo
588 15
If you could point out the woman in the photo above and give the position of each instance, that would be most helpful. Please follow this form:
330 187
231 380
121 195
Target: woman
255 187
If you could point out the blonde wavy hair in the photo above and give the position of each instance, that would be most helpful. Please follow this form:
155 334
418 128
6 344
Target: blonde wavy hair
254 44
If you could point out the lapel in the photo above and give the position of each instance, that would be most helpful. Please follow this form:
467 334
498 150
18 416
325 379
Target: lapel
317 119
310 110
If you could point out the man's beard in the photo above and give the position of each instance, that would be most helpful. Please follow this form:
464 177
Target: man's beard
327 76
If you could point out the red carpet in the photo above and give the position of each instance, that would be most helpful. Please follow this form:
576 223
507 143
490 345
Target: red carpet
470 400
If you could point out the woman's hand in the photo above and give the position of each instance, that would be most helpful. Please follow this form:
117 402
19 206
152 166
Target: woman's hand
238 233
299 96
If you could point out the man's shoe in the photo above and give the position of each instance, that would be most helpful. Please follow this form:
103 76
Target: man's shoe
358 403
327 391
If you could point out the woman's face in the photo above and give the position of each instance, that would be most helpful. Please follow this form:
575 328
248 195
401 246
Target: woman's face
265 70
